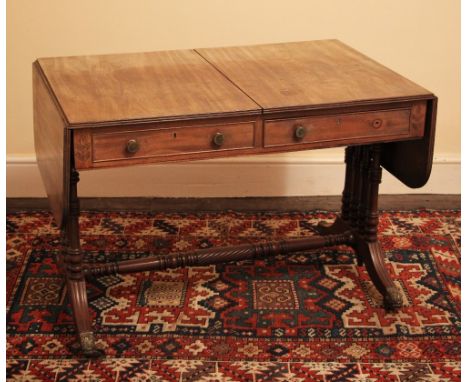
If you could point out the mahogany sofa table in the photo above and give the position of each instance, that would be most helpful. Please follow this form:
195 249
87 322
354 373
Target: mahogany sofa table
103 111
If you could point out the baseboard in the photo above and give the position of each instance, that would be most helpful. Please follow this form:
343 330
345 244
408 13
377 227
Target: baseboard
250 204
269 175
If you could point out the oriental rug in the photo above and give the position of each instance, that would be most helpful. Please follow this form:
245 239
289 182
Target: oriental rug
308 316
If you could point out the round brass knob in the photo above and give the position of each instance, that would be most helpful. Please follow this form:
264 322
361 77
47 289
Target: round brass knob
132 146
376 123
218 139
299 132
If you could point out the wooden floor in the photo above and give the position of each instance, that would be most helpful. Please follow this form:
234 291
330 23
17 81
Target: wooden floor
301 203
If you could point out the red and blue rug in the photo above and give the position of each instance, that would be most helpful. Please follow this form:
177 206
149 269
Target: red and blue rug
309 316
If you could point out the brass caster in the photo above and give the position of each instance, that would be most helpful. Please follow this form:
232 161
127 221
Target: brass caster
88 346
392 299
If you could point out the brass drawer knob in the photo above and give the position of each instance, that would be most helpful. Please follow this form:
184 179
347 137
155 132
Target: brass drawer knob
376 123
218 139
132 146
299 132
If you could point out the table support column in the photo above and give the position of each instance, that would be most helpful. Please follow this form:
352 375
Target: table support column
367 244
359 215
73 264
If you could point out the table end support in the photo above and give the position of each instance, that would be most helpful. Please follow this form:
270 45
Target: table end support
359 215
72 260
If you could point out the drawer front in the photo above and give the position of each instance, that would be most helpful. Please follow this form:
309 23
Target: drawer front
167 142
342 127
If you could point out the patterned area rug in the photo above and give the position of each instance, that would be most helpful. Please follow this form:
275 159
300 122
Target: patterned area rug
309 316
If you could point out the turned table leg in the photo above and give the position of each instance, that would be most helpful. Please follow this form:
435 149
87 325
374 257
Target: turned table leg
73 265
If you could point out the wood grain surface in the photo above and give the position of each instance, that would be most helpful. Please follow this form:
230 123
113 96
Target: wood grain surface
141 86
86 108
52 145
309 74
186 140
281 132
419 153
172 141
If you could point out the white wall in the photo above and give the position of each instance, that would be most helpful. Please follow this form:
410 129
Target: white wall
418 38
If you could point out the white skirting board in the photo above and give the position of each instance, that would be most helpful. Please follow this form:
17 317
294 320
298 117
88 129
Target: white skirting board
268 175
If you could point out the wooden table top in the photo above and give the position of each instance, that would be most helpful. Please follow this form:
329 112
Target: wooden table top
188 84
141 86
309 74
217 102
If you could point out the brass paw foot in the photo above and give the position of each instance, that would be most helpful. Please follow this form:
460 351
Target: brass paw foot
392 299
88 345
